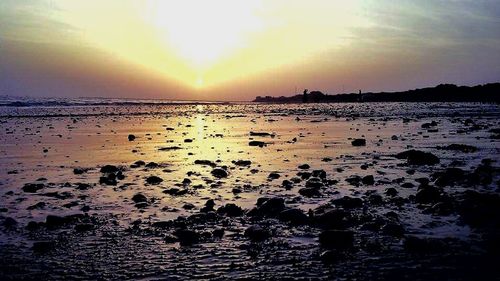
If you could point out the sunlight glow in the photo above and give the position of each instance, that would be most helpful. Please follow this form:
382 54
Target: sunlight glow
204 31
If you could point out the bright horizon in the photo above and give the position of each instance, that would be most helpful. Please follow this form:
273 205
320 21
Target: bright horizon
236 50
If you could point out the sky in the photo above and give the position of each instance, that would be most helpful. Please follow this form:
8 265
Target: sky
238 49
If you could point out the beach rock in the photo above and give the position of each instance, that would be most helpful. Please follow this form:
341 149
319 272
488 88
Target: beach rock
293 216
243 163
151 165
337 239
331 256
304 166
314 183
393 229
273 176
53 221
83 227
154 180
354 180
417 157
427 194
310 192
368 180
332 219
459 147
419 245
139 198
449 177
268 207
347 202
480 210
391 191
131 137
37 206
230 210
175 191
257 143
358 142
109 169
33 187
187 237
219 173
205 163
9 222
257 234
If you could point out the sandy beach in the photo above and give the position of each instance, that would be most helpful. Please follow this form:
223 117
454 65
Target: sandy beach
245 191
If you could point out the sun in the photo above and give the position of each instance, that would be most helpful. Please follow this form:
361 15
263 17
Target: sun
202 32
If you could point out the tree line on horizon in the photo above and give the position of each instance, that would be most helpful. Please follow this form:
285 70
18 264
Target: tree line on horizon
441 93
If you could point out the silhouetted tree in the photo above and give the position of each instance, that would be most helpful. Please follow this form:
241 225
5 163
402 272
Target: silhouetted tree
304 96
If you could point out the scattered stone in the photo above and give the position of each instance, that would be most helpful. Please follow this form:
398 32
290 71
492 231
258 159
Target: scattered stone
459 147
368 180
219 173
230 210
257 234
131 137
154 180
187 237
417 157
33 187
257 143
293 216
358 142
336 239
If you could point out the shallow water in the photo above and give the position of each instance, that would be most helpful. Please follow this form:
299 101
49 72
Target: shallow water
49 142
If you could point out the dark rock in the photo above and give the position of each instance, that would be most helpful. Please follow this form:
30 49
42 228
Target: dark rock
480 210
243 163
109 169
151 165
154 180
310 192
187 237
368 180
230 210
428 194
9 222
449 177
354 180
257 234
219 173
304 166
270 207
257 143
416 157
391 191
347 202
53 221
33 187
205 163
332 219
336 239
261 134
273 176
459 147
138 198
331 257
39 205
218 233
131 137
293 216
84 227
393 229
358 142
314 183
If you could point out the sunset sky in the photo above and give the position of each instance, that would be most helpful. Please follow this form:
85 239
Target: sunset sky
235 50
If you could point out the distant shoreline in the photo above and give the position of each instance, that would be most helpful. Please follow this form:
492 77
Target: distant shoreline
441 93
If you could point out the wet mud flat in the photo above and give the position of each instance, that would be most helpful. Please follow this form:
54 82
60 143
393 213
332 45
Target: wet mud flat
246 192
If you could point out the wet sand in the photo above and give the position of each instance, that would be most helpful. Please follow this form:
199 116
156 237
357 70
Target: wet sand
250 192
